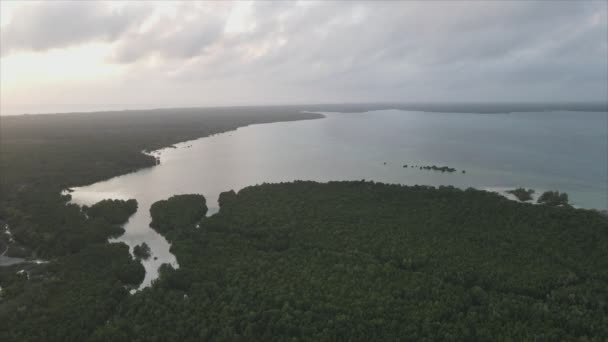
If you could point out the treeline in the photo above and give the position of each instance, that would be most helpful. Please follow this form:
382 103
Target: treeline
40 155
368 261
522 194
69 297
43 154
552 198
51 227
299 261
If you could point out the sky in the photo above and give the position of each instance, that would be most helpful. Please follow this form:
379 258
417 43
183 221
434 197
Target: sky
171 54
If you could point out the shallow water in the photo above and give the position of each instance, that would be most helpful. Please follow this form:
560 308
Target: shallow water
565 151
8 261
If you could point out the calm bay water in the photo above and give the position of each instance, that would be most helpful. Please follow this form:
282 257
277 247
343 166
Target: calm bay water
565 151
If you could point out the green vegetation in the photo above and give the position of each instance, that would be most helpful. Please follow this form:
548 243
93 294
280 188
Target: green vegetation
142 251
113 211
335 261
42 154
367 261
71 296
522 194
308 261
53 228
554 198
86 278
177 213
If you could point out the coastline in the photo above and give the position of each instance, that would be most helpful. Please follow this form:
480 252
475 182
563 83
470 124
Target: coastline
155 149
151 264
155 154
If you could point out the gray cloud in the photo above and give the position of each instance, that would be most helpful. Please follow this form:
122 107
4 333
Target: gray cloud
56 24
346 51
185 36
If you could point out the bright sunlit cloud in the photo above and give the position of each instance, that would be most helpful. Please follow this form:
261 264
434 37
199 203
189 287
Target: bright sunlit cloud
84 62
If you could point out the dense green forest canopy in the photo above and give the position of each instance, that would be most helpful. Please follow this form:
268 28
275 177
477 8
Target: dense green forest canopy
42 154
333 261
113 211
350 260
177 213
68 298
368 261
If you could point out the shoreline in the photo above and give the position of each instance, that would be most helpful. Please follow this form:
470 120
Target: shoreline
150 151
131 239
155 154
436 107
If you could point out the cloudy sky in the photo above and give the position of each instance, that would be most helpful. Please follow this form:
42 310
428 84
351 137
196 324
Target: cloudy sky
234 53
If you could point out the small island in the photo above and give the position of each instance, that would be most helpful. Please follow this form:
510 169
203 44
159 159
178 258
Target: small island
178 213
554 198
438 168
142 252
432 168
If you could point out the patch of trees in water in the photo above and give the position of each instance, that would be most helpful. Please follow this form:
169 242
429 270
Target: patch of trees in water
552 198
432 168
115 212
177 213
369 261
142 251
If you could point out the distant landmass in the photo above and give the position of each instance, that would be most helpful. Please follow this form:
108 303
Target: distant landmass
442 107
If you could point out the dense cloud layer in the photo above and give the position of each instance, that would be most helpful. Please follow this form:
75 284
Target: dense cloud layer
341 51
48 25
